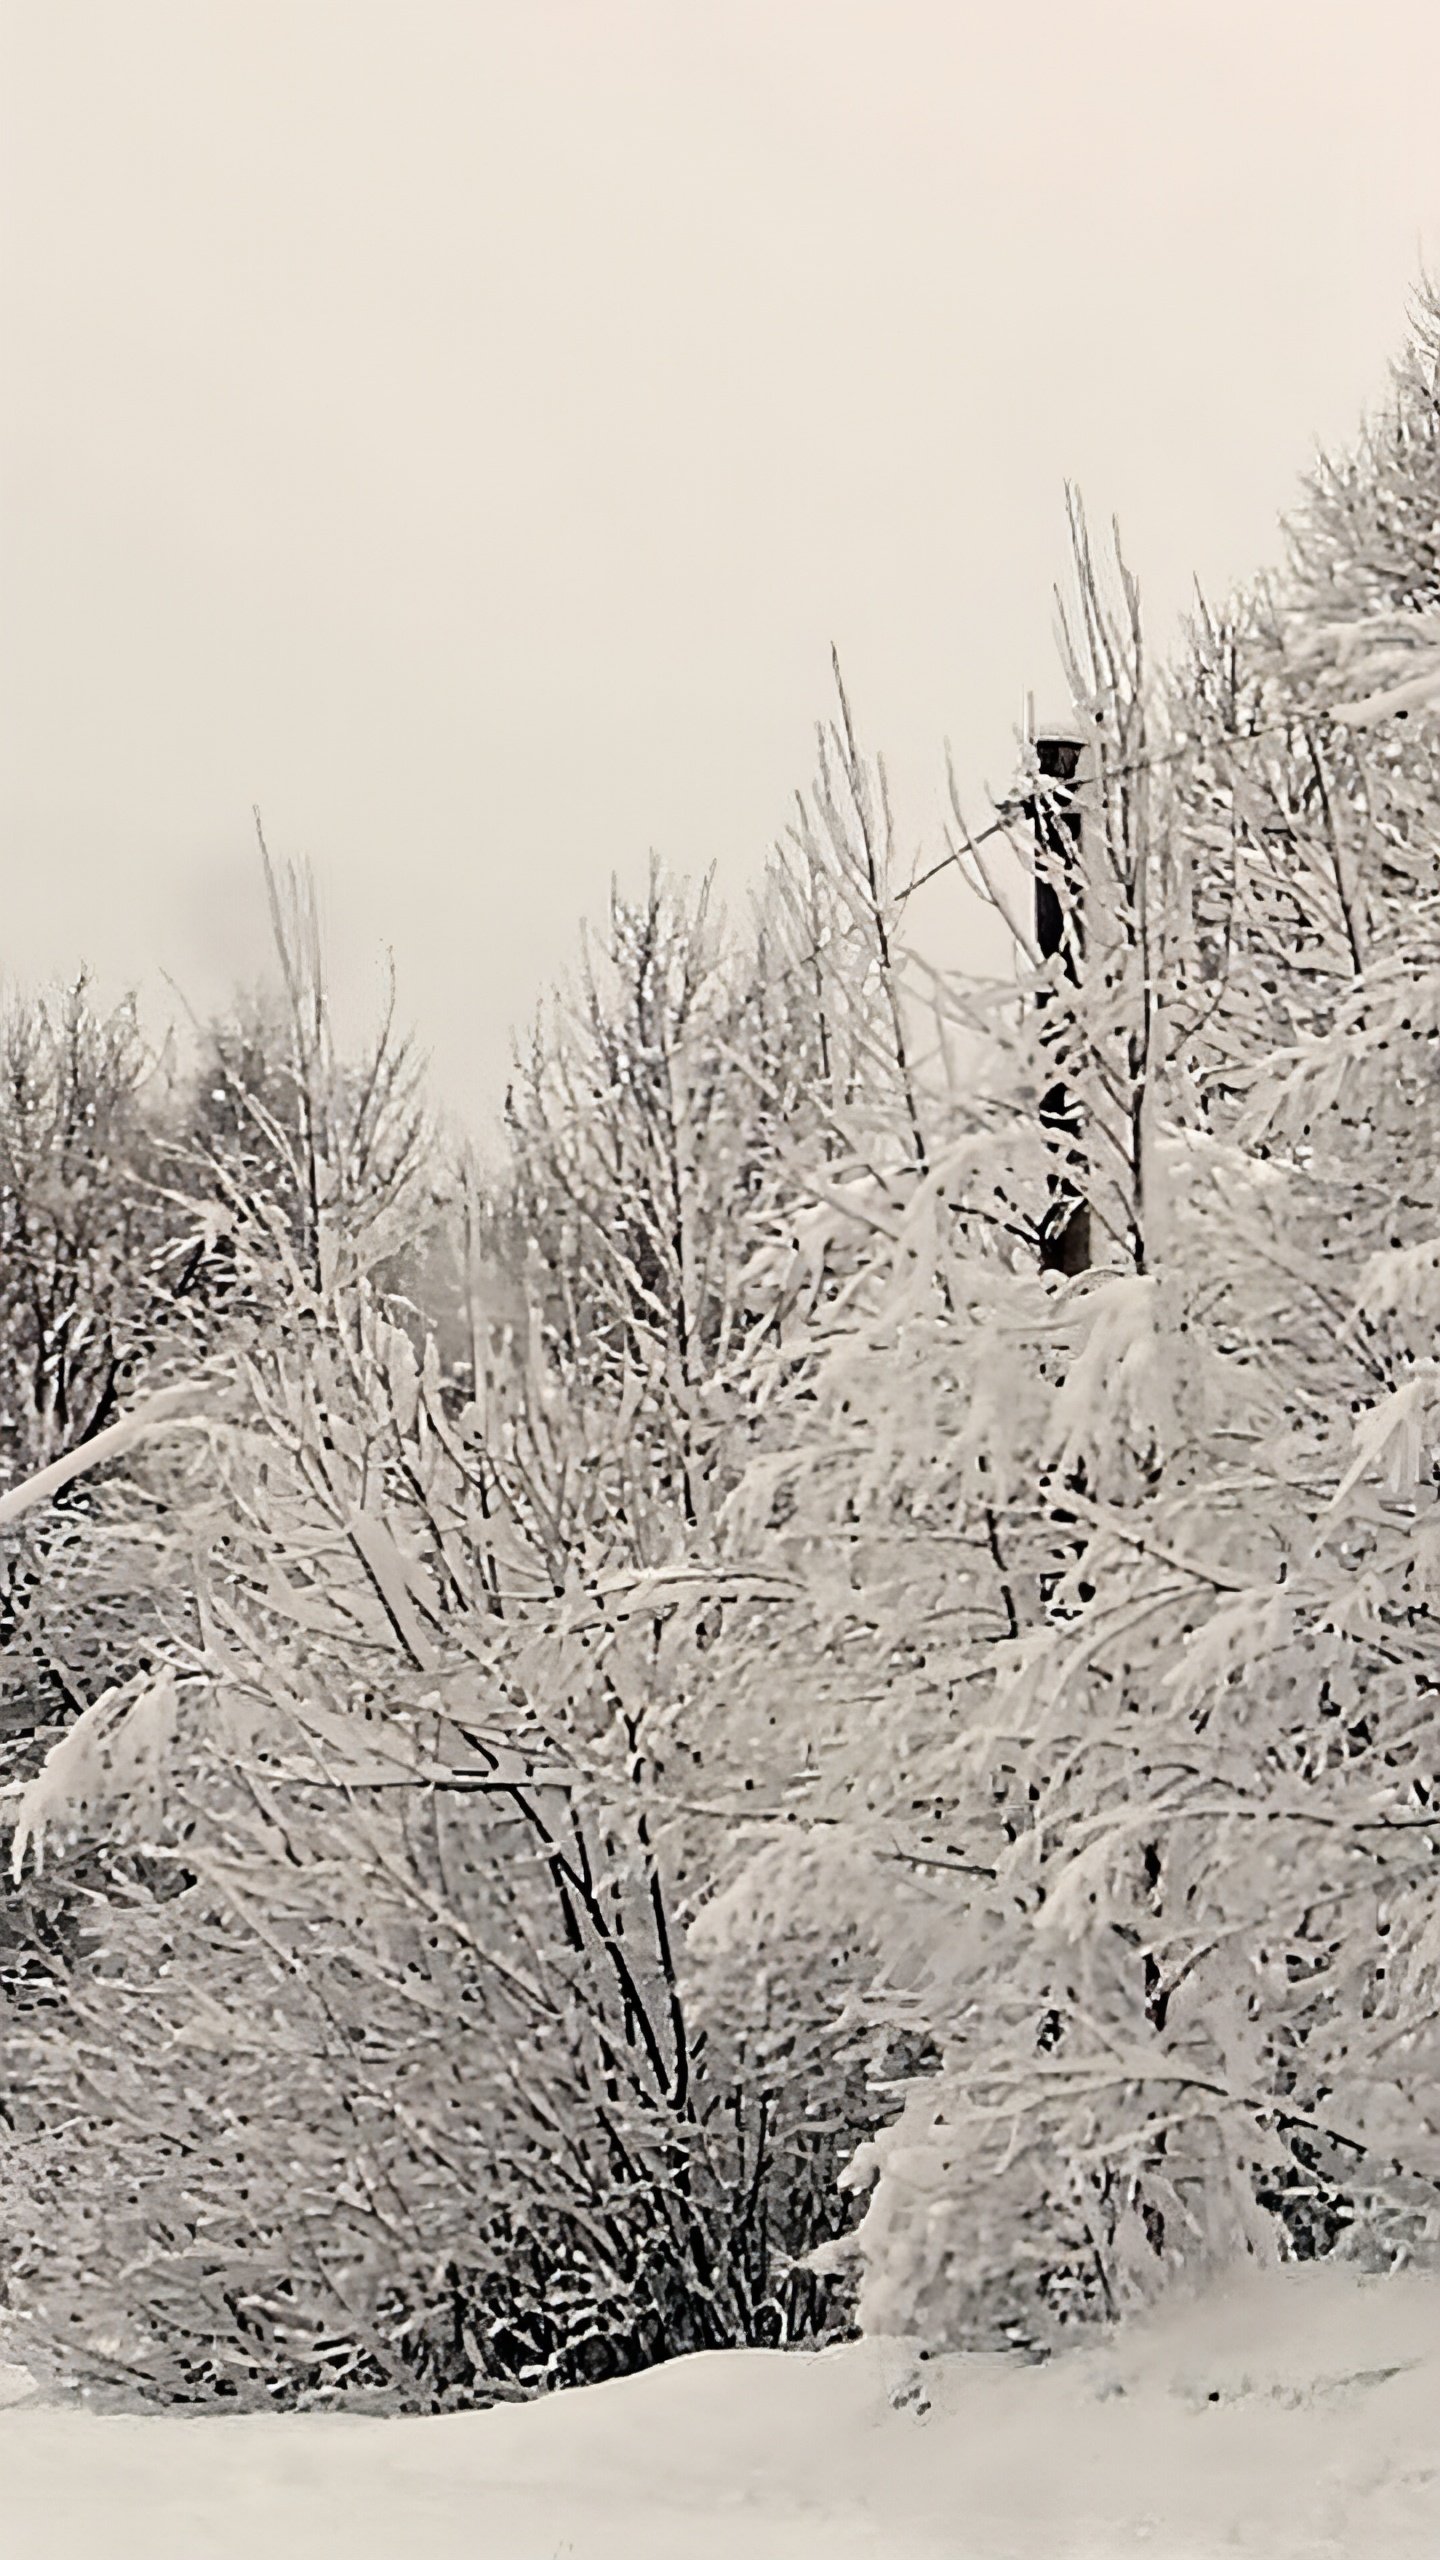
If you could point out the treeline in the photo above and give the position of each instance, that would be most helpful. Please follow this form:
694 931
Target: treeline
686 1741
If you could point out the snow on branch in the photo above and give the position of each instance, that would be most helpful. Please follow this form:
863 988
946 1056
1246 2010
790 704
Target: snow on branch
165 1407
1395 657
111 1758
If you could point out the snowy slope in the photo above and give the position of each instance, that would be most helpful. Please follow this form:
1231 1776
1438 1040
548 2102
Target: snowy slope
1290 2417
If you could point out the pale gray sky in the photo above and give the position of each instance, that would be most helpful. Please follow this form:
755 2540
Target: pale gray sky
462 426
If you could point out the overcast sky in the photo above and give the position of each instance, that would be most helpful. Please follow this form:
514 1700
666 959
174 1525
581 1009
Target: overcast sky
462 426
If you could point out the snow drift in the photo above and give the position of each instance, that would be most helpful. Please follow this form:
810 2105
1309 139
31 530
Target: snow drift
1287 2415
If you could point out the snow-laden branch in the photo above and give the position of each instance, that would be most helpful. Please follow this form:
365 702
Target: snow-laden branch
1395 658
161 1410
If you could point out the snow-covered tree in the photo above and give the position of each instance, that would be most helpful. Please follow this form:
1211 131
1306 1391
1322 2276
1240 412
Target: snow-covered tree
1130 1565
422 1785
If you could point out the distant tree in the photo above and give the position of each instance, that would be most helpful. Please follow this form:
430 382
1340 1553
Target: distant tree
96 1308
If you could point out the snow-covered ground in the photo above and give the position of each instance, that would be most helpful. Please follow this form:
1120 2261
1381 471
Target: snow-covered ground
1291 2417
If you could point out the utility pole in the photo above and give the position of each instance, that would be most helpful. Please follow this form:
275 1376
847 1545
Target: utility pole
1057 824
